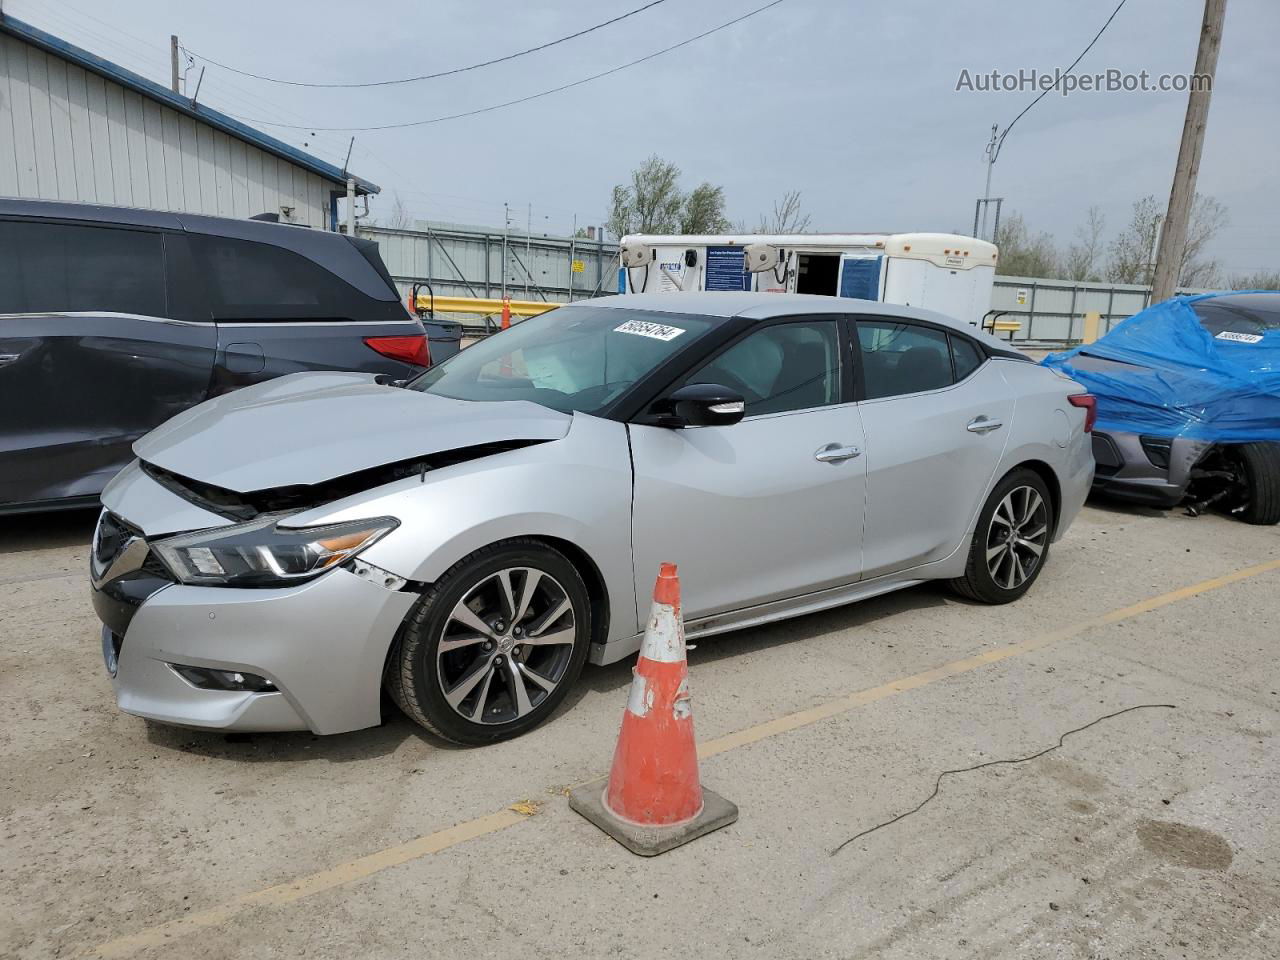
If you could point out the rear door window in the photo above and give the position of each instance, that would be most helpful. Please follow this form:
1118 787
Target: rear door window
250 281
900 358
74 268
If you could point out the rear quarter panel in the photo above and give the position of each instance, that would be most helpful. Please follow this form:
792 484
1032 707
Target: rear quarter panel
1048 429
253 352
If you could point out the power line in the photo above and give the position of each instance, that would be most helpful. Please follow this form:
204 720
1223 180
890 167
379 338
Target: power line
1027 108
532 96
443 73
132 51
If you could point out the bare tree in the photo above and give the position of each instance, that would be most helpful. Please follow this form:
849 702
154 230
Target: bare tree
401 218
1133 251
1258 280
788 216
1021 253
1208 217
1083 257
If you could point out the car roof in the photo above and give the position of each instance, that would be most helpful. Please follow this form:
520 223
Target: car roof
1265 299
330 250
766 306
263 230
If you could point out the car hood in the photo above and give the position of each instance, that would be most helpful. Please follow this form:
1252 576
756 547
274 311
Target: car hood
307 428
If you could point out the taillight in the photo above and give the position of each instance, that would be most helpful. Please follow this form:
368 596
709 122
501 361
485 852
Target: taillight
1089 403
411 349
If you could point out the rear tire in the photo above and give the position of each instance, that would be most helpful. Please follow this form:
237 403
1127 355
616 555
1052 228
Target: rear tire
494 645
1259 465
1011 543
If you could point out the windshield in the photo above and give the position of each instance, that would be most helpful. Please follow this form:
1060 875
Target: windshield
573 359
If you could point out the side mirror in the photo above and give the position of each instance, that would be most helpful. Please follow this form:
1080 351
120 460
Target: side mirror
703 405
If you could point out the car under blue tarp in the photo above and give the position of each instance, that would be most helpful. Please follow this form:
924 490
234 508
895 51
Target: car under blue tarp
1205 367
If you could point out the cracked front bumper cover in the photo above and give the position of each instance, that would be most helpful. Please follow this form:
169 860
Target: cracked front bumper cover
323 644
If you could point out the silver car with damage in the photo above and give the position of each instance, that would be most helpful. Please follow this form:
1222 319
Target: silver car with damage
276 558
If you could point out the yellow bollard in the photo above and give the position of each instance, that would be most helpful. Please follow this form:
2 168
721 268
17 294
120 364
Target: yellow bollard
1092 325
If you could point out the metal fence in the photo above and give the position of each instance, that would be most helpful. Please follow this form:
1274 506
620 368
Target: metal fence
1052 311
463 261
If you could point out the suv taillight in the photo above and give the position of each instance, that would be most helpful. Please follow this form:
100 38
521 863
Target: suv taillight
411 349
1089 403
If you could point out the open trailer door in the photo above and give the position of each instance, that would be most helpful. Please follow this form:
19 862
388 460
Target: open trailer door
861 276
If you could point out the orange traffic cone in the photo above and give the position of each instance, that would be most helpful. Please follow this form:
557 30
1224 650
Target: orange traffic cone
653 799
506 313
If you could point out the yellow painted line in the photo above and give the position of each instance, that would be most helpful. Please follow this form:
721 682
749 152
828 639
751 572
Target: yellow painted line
804 718
283 893
354 870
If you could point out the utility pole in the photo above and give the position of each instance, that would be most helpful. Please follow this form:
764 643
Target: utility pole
506 224
993 146
528 259
1173 236
573 242
173 62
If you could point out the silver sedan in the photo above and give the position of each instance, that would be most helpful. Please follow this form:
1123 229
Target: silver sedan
278 556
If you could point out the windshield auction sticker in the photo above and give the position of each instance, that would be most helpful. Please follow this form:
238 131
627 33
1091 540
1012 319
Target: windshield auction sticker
643 328
1239 337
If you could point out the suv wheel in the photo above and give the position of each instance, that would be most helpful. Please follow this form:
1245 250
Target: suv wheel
494 646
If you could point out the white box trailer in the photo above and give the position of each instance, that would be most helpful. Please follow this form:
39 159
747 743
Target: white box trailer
939 271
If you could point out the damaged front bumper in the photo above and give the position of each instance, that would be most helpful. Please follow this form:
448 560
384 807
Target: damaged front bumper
1154 471
321 645
299 657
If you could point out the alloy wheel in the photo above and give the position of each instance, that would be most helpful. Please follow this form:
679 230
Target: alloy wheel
506 645
1016 537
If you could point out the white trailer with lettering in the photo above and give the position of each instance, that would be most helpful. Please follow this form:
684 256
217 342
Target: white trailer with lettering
939 271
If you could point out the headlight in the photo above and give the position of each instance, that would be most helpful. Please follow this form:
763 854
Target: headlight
259 553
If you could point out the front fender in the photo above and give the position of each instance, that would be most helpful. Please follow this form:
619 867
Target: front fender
576 489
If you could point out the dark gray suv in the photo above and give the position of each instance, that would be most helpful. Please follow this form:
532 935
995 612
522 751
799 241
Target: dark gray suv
112 320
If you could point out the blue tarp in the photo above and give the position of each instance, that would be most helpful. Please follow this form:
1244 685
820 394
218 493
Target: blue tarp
1186 381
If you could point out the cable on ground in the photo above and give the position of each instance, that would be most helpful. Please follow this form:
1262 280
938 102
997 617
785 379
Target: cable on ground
995 763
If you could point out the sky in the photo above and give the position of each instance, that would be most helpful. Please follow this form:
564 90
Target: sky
852 103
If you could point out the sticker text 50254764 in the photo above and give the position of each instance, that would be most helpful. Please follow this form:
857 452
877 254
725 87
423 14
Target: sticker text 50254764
643 328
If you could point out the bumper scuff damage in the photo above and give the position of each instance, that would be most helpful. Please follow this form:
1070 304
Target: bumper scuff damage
341 622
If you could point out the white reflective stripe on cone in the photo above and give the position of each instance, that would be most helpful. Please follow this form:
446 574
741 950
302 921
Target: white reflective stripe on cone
664 635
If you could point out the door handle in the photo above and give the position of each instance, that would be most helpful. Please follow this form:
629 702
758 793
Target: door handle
7 358
835 452
983 424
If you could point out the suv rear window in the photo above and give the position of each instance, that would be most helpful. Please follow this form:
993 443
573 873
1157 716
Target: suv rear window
1218 316
68 267
246 280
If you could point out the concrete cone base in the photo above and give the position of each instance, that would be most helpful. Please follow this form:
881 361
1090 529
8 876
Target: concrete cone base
647 841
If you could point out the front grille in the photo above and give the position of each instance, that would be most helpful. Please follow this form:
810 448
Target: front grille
153 567
112 536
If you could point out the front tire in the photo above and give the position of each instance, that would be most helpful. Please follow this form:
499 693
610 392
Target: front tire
1011 543
494 645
